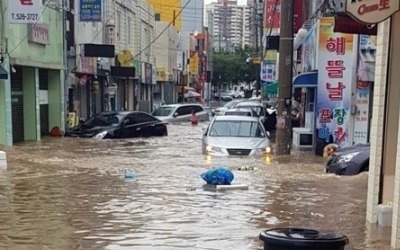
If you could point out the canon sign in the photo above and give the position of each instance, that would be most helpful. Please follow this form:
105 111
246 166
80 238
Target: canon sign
372 11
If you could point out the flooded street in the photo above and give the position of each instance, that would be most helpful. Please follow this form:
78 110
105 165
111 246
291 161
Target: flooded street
66 193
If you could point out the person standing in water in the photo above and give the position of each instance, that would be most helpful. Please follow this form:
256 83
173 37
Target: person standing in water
194 119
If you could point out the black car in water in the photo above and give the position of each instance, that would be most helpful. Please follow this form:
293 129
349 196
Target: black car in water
349 161
124 124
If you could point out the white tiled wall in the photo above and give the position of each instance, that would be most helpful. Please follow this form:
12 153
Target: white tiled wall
166 46
377 120
395 241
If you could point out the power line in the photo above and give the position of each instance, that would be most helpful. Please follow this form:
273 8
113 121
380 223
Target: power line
159 35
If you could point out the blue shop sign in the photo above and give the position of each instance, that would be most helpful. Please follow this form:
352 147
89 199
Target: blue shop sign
90 10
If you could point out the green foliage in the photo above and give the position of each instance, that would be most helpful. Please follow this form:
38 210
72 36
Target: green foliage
231 67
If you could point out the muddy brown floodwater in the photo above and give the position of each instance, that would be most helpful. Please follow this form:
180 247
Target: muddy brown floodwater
66 193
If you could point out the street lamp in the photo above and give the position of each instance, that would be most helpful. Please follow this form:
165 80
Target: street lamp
219 89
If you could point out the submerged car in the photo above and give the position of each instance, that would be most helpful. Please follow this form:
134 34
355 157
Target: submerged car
254 105
228 105
349 160
125 124
180 112
241 112
235 135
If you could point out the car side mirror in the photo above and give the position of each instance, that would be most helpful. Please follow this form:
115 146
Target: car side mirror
175 114
126 122
268 134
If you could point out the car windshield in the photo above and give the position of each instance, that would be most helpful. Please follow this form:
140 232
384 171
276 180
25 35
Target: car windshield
236 129
258 109
163 111
103 120
230 105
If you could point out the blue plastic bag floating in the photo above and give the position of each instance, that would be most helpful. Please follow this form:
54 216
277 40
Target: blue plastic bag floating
218 176
129 174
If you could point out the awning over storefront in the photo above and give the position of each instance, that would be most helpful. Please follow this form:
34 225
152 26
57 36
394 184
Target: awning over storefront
3 73
366 67
307 79
346 24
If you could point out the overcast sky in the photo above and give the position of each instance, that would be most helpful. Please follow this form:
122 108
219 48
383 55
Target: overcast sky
241 2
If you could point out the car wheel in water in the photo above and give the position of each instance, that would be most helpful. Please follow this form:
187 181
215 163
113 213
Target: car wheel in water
341 171
365 167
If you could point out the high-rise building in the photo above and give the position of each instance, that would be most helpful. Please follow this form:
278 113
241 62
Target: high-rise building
231 24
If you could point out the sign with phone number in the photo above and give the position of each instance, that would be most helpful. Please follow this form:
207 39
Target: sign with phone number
24 17
24 11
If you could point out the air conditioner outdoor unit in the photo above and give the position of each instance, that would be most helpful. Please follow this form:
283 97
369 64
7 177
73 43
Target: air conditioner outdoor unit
303 138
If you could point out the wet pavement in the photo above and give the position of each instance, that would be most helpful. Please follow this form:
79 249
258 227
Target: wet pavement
68 193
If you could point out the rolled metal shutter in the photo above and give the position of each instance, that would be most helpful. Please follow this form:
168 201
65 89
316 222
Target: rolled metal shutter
44 107
17 105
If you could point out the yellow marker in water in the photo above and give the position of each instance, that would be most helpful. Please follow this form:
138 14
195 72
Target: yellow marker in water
267 159
208 159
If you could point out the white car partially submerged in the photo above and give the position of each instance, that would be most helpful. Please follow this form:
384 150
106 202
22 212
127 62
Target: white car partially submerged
236 135
228 105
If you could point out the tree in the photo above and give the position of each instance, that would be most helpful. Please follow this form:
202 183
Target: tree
233 67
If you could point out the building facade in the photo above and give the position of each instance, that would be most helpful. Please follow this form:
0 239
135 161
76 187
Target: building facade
232 24
129 27
32 96
166 49
168 11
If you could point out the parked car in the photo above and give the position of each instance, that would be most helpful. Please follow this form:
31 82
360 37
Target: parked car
125 124
257 106
180 112
349 160
235 135
228 105
241 112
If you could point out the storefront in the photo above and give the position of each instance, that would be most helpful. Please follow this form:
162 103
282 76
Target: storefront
32 96
326 86
35 102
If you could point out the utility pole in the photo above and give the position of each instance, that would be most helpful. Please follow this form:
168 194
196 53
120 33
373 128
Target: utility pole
261 51
284 120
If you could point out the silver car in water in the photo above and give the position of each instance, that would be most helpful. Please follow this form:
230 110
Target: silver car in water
175 113
235 135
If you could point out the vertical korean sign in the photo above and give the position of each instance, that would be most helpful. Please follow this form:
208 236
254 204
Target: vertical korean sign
24 11
90 11
335 77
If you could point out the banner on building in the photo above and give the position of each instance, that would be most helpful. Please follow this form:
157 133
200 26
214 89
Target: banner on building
194 63
161 75
361 121
336 66
86 65
310 50
268 73
90 11
272 14
24 11
147 73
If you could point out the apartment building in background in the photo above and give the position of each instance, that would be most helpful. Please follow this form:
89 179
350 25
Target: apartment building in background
231 24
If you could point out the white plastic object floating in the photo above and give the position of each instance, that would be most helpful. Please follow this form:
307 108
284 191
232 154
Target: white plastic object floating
385 214
3 160
226 187
129 174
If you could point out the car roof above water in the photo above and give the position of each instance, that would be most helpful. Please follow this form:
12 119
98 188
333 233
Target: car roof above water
181 105
249 104
236 118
